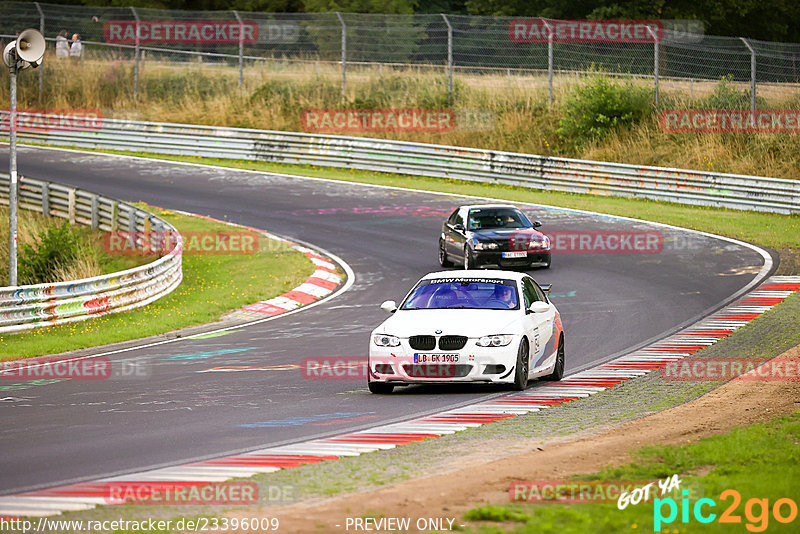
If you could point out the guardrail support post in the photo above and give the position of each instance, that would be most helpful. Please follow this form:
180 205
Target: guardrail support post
46 199
95 212
449 58
41 29
71 206
146 236
114 216
136 56
241 48
752 76
344 52
131 228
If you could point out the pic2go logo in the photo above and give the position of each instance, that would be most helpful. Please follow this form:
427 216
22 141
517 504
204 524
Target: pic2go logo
756 511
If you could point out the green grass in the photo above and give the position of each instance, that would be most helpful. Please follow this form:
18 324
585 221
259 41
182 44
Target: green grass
212 285
759 461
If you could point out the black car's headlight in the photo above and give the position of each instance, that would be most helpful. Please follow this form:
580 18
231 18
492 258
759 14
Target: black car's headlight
484 245
497 340
385 340
543 243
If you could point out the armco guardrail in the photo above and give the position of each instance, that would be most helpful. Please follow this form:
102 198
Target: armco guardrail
25 307
540 172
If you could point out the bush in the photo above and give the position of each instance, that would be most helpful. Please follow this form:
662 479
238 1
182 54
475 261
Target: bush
56 248
726 96
598 106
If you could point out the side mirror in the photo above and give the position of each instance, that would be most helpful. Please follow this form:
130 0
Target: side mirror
458 227
389 306
539 307
537 224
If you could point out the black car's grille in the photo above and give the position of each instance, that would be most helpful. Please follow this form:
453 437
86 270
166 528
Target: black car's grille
436 370
452 342
422 342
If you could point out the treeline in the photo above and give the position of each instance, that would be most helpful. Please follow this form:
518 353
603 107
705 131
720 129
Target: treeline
769 20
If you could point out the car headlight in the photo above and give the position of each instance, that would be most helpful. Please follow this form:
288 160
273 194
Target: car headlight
497 340
480 245
384 340
543 243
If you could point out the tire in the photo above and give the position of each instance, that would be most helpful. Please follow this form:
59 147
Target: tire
380 388
443 261
558 371
521 368
467 260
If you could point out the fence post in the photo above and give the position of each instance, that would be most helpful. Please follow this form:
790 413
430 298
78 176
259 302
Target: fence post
549 63
655 62
136 56
449 58
752 77
344 51
41 67
241 48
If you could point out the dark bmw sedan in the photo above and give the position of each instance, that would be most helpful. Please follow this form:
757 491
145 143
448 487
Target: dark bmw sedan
492 235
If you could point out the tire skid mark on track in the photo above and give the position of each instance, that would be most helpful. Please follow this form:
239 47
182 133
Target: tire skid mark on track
87 495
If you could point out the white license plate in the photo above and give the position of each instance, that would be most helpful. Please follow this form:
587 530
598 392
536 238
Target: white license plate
435 358
521 254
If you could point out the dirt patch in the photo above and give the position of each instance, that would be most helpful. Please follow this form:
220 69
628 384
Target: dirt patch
483 476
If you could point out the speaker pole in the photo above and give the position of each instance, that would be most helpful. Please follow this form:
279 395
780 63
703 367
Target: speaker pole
12 189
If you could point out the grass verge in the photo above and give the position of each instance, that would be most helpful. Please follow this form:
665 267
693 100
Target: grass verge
212 285
732 459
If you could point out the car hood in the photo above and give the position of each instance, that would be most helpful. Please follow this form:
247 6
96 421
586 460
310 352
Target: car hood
470 323
501 233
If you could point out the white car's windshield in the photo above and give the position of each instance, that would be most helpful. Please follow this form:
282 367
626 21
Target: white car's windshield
463 293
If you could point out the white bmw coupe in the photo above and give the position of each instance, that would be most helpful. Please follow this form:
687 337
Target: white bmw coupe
468 326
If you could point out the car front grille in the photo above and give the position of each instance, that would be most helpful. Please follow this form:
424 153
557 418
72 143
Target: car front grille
436 370
422 342
452 342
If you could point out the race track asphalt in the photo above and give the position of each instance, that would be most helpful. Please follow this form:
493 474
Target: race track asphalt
83 429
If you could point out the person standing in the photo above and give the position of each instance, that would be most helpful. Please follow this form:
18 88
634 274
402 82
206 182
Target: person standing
77 48
62 46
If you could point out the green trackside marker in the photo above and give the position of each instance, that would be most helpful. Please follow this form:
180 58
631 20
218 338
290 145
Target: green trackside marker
213 334
16 386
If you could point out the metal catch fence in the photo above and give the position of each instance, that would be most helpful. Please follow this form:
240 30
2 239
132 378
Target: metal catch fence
673 50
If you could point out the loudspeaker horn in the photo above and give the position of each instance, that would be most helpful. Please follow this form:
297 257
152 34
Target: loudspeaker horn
30 46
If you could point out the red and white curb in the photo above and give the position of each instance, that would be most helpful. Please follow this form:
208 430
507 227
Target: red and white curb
322 282
86 495
325 279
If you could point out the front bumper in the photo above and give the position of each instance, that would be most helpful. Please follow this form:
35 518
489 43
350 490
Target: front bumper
472 364
485 258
